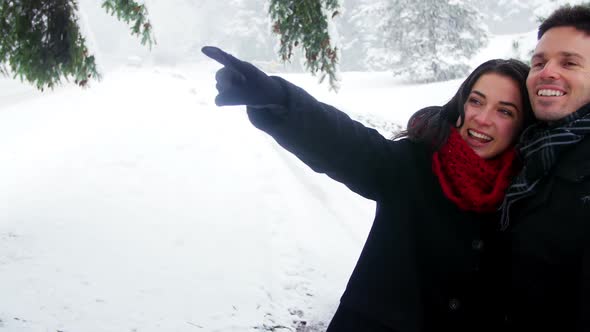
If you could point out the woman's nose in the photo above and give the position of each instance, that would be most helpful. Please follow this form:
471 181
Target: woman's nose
484 118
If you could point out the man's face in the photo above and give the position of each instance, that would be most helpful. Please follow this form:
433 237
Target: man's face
559 80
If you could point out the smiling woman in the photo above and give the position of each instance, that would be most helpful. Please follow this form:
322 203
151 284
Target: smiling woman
429 262
493 115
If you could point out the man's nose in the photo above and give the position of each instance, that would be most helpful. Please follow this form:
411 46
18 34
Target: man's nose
550 71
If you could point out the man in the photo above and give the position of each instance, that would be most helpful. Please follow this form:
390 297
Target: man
546 213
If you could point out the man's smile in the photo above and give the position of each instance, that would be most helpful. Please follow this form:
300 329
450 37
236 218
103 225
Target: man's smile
550 93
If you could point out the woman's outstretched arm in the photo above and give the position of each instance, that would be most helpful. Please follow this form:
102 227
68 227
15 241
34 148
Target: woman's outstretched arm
324 138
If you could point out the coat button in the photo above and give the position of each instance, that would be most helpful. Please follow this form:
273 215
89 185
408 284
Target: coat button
454 304
477 245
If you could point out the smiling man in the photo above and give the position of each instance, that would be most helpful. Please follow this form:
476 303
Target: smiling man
546 215
559 81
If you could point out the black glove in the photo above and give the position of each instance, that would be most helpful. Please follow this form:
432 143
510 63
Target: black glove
241 83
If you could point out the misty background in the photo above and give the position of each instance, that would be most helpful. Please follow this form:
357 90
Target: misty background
242 27
137 205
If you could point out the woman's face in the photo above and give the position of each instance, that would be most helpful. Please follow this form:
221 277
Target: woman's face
493 115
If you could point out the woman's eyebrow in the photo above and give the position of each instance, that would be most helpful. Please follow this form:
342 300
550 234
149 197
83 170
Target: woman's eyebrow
479 93
507 103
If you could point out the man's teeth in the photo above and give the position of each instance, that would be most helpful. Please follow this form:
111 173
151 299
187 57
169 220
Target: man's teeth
478 135
547 92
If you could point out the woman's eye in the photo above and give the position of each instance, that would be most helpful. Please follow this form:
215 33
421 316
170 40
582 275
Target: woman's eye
506 112
474 101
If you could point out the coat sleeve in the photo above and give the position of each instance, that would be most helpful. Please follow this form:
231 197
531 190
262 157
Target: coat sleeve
330 142
584 315
584 324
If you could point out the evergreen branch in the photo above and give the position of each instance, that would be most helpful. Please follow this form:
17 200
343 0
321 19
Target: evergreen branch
303 22
42 43
130 12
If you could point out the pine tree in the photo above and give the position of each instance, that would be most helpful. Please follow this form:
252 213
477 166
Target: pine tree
426 41
544 8
248 30
351 42
305 23
506 16
131 12
41 41
369 22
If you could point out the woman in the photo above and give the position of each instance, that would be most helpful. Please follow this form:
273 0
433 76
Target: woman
428 262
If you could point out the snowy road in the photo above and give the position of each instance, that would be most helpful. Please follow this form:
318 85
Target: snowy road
137 205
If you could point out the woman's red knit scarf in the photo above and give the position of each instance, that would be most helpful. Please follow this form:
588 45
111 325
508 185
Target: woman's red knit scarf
471 182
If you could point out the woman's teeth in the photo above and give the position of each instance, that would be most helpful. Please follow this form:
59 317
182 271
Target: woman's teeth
479 135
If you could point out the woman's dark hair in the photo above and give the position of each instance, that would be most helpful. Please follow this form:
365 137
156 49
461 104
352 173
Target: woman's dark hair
432 125
577 17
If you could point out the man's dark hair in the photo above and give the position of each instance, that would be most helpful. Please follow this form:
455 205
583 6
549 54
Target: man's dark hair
577 17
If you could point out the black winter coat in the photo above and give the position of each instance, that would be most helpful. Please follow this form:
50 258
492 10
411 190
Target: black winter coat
549 253
425 265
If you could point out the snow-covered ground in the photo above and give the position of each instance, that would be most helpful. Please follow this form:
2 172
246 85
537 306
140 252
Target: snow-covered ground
138 205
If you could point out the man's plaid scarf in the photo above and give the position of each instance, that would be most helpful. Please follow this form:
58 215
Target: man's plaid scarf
540 146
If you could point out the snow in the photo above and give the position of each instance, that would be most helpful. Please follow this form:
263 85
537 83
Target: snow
138 205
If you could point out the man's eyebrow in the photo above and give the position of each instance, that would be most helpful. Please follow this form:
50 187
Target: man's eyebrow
541 55
572 55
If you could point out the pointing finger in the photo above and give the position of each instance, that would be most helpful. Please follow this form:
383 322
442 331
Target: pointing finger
222 57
